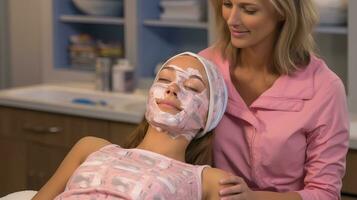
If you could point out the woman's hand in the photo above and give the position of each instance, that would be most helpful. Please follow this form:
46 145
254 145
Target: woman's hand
238 190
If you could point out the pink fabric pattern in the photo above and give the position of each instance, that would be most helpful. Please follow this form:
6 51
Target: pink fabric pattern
117 173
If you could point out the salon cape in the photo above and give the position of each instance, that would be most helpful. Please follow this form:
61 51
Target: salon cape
294 137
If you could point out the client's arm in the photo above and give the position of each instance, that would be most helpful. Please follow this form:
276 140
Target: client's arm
74 158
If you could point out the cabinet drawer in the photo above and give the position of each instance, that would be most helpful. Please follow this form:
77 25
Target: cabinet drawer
45 128
349 181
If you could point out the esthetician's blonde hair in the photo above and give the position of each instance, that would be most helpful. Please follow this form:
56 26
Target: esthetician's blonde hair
198 152
294 44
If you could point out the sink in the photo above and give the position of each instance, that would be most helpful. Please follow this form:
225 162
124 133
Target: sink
85 102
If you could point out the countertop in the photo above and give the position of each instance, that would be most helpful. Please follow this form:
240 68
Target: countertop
59 98
133 114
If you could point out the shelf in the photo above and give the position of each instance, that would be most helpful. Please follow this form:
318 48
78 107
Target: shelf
340 30
176 24
92 19
73 68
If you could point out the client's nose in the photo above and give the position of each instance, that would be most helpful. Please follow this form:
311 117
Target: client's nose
172 89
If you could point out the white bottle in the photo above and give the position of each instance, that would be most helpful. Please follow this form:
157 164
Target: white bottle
123 76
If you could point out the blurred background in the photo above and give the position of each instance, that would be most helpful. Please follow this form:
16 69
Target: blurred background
71 68
49 40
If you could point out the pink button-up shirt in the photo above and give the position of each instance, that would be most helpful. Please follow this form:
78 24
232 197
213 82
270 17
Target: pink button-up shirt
294 137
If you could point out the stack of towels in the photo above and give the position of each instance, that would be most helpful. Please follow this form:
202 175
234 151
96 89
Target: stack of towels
332 12
188 10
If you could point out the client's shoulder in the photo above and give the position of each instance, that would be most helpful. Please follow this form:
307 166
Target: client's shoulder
88 145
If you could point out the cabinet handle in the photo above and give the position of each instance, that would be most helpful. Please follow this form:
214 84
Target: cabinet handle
43 129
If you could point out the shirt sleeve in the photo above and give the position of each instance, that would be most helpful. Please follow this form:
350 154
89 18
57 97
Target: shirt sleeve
327 145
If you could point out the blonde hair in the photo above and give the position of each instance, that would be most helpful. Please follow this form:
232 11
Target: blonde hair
294 44
198 152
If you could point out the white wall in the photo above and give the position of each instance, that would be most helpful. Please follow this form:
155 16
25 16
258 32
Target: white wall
24 22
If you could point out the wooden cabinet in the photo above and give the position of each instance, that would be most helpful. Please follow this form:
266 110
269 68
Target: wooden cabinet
350 179
33 144
43 160
13 166
44 128
9 123
119 131
81 127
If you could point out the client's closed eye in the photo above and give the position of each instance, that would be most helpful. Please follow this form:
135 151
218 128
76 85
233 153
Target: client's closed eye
192 89
194 85
166 76
163 80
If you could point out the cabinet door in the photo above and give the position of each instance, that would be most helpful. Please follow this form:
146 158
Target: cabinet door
43 161
13 166
350 179
81 127
119 132
10 123
45 128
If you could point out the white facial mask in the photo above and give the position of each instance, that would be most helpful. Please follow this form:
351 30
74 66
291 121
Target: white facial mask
194 106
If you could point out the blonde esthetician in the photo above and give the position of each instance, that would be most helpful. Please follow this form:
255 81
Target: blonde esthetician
285 131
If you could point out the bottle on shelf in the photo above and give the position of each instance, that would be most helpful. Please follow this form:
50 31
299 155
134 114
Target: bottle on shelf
123 76
102 73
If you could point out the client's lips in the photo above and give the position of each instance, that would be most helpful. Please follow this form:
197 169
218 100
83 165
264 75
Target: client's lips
168 103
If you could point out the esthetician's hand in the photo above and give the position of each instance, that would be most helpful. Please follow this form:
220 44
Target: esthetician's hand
238 190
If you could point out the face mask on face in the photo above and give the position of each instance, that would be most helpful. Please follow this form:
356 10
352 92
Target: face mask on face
191 119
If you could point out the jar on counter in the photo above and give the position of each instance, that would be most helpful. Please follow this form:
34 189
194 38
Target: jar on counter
123 76
102 73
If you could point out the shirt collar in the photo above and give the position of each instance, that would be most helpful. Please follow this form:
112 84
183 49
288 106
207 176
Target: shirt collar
289 91
300 85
